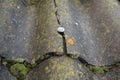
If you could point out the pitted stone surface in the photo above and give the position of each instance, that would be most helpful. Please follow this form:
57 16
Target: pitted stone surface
28 30
92 29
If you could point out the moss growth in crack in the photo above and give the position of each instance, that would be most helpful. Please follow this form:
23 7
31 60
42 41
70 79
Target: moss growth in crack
102 69
19 70
99 70
117 65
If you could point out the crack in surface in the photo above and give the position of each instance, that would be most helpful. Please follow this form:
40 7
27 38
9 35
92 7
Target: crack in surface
54 54
64 44
47 56
59 54
58 21
56 12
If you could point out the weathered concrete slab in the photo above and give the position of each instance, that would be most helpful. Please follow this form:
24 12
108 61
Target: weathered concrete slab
4 74
92 29
28 29
60 68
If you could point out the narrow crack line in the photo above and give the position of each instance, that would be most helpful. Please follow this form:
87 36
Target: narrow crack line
24 3
57 54
47 56
61 32
56 13
64 45
1 60
58 21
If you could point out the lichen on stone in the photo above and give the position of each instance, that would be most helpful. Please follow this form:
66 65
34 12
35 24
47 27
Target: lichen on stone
62 71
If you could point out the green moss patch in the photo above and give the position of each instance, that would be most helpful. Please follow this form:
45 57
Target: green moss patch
99 70
19 70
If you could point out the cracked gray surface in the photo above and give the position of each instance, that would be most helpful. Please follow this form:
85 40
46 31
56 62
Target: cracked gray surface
28 31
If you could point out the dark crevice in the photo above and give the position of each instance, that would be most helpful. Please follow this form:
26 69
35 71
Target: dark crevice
23 3
92 68
53 54
56 13
1 59
64 44
58 21
83 61
59 54
27 3
47 56
102 69
118 1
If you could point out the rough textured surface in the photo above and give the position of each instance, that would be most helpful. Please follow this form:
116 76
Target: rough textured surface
59 68
92 29
4 74
113 74
28 30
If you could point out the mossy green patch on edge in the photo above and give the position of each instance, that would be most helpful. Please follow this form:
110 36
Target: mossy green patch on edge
99 70
19 70
103 69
